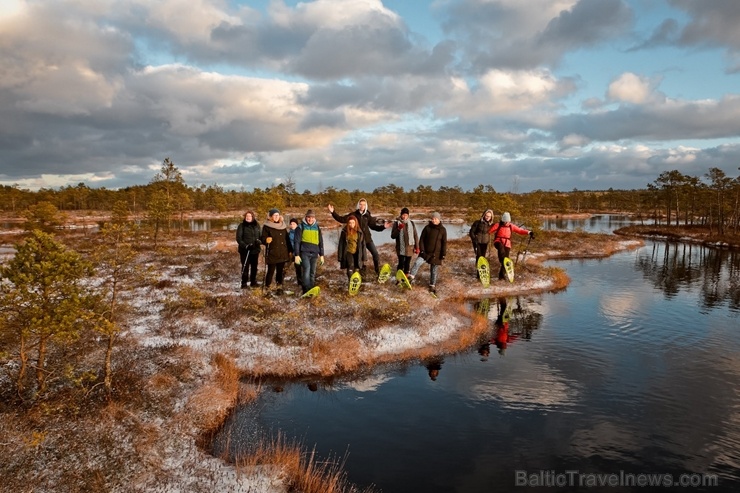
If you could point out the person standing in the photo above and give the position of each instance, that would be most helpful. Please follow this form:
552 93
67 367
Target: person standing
479 234
308 248
292 226
366 222
275 237
407 240
502 231
432 250
351 245
248 239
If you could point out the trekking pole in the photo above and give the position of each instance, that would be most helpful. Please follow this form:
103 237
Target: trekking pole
526 250
264 278
244 266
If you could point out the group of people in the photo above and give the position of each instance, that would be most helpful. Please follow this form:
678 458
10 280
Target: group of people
302 242
485 231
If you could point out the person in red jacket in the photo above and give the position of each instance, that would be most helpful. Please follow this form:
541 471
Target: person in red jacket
502 231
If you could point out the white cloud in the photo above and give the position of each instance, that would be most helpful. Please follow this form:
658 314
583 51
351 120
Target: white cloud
630 88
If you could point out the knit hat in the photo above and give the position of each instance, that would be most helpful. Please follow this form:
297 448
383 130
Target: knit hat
405 210
294 220
272 212
506 217
436 215
310 213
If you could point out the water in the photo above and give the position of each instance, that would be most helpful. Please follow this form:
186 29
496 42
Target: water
601 223
633 369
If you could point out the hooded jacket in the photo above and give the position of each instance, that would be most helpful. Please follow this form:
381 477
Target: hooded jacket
277 251
479 229
365 220
248 236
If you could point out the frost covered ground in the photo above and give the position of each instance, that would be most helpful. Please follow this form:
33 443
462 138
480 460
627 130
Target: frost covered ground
188 322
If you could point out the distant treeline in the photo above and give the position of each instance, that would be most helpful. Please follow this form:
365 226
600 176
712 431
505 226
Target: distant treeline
674 198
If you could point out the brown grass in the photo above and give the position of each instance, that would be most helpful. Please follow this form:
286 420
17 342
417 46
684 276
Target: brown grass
326 337
302 471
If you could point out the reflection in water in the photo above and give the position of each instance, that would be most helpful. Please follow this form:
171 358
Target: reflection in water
633 368
673 267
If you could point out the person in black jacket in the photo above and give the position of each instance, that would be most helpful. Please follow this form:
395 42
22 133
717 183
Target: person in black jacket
433 248
479 234
351 246
248 238
366 222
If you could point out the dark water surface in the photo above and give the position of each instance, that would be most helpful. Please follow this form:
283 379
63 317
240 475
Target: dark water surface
634 369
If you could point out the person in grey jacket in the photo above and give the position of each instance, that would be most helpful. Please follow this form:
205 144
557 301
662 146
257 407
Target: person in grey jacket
407 240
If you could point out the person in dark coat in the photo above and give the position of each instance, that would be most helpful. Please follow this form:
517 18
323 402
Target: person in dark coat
248 238
275 237
479 234
432 249
366 222
351 246
407 240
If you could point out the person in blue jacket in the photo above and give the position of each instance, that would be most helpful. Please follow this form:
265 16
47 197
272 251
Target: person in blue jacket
308 248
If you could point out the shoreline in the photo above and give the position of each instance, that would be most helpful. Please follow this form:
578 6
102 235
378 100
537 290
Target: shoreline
195 346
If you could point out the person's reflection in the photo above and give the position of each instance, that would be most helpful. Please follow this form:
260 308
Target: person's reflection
503 337
482 307
484 350
434 365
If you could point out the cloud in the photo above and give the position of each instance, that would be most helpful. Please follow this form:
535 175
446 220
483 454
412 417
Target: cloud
666 120
632 88
347 94
524 35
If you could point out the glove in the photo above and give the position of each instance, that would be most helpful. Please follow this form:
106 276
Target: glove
531 234
257 243
400 226
297 260
321 260
268 240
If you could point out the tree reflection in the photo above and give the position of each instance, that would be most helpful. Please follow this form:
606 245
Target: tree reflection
672 267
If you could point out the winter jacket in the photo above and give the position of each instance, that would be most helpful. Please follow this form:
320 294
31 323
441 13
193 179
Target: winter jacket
502 232
405 235
479 229
365 220
308 239
433 243
277 251
248 236
342 247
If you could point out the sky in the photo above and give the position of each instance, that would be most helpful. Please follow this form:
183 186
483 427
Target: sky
358 94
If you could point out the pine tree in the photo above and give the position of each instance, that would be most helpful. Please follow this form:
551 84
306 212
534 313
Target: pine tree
44 301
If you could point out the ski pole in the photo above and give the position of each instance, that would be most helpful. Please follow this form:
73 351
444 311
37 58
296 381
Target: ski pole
245 265
526 250
267 249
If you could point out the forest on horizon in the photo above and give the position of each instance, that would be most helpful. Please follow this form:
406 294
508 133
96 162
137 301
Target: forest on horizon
673 197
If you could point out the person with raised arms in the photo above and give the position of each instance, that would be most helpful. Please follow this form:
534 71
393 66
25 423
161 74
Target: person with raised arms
366 222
